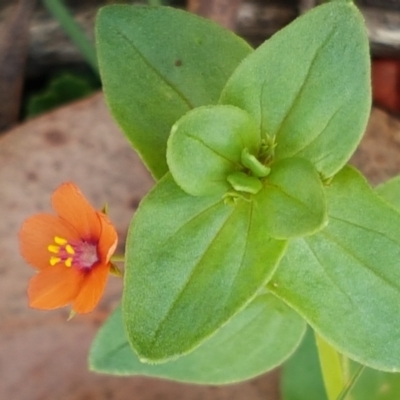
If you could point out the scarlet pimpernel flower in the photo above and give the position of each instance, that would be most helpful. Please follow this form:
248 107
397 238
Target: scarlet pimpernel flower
70 250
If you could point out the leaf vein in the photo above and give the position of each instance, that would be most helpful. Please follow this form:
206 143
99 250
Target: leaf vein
327 272
363 264
189 222
155 70
197 139
188 280
314 139
296 199
362 227
304 83
243 257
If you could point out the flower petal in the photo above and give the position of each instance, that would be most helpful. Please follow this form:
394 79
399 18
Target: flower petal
37 233
92 289
108 239
70 204
54 287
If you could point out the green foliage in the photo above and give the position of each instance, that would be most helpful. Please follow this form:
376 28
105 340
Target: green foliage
293 200
375 385
61 90
345 280
254 341
206 145
308 86
258 195
158 63
301 377
73 30
206 260
302 380
390 191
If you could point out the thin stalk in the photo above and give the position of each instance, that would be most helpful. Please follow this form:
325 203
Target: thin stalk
331 368
74 31
118 258
346 370
351 383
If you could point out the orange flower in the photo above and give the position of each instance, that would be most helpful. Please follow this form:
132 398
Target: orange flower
71 252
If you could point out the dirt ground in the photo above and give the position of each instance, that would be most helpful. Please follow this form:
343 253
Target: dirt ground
42 356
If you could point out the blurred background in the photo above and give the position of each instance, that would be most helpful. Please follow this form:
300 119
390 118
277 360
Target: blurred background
55 126
47 56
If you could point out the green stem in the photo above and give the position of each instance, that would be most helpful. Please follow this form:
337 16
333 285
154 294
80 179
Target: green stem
331 368
351 383
74 31
118 258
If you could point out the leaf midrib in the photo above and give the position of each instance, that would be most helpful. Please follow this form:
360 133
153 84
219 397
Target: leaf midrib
183 289
152 68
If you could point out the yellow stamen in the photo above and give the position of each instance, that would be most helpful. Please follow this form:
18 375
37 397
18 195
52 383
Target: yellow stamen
60 241
68 262
54 260
69 249
53 248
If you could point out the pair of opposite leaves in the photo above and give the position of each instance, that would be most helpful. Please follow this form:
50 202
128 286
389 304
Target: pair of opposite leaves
290 101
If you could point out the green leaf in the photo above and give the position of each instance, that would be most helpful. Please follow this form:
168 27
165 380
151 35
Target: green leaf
256 340
309 86
192 264
375 385
156 64
206 145
301 377
302 380
390 191
345 280
331 368
61 89
292 200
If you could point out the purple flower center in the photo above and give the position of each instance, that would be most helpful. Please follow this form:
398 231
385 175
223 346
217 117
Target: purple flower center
81 254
